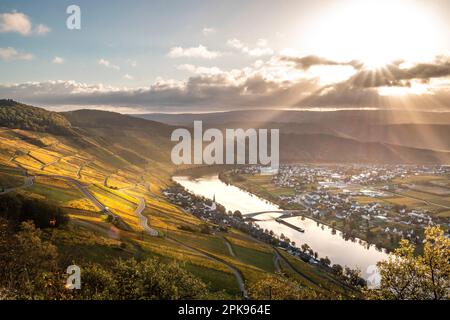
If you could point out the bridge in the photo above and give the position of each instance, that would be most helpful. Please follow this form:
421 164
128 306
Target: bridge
285 214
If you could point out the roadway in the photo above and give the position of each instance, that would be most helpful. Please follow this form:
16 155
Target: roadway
143 220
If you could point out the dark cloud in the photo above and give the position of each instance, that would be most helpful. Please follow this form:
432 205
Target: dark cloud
213 92
344 96
306 62
394 75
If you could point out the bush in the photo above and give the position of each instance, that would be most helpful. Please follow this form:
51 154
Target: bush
150 279
18 209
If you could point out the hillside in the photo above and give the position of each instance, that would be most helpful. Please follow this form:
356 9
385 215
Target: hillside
341 136
425 136
136 140
332 149
20 116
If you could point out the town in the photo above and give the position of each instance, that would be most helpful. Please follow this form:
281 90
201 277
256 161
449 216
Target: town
380 204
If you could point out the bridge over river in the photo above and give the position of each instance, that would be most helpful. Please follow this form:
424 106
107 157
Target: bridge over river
285 214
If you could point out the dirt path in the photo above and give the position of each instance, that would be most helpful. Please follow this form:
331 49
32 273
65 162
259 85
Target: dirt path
236 272
229 246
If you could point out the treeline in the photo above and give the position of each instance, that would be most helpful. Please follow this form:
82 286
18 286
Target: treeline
16 115
17 209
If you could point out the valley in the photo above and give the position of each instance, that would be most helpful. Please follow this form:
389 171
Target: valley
109 180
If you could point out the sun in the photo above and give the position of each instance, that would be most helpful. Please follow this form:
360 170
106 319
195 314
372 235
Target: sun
376 32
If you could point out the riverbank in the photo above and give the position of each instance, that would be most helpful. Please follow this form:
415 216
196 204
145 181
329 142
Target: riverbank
326 242
260 189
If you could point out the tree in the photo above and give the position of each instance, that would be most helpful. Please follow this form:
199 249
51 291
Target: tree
436 261
325 261
27 261
17 208
305 248
353 277
152 279
337 269
237 214
98 283
169 282
406 276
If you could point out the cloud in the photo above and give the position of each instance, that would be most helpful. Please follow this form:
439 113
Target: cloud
199 70
271 83
42 29
208 31
264 84
108 64
396 74
260 50
17 22
193 52
131 63
262 43
235 43
9 54
306 62
58 60
128 77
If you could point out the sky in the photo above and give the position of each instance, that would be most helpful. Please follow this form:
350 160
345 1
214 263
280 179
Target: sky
173 56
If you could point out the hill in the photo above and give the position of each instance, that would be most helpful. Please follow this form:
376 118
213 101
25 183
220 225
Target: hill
333 149
21 116
425 136
354 136
136 140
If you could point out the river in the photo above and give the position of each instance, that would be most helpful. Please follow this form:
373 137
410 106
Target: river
321 238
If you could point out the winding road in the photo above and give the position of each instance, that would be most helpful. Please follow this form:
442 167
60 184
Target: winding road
90 197
143 220
230 248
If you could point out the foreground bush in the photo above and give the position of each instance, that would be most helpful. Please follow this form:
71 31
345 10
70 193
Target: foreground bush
405 276
29 270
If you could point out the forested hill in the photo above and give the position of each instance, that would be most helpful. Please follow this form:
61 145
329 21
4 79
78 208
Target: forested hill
16 115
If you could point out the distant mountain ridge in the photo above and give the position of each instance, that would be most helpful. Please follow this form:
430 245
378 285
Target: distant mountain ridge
344 117
320 139
421 131
325 148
